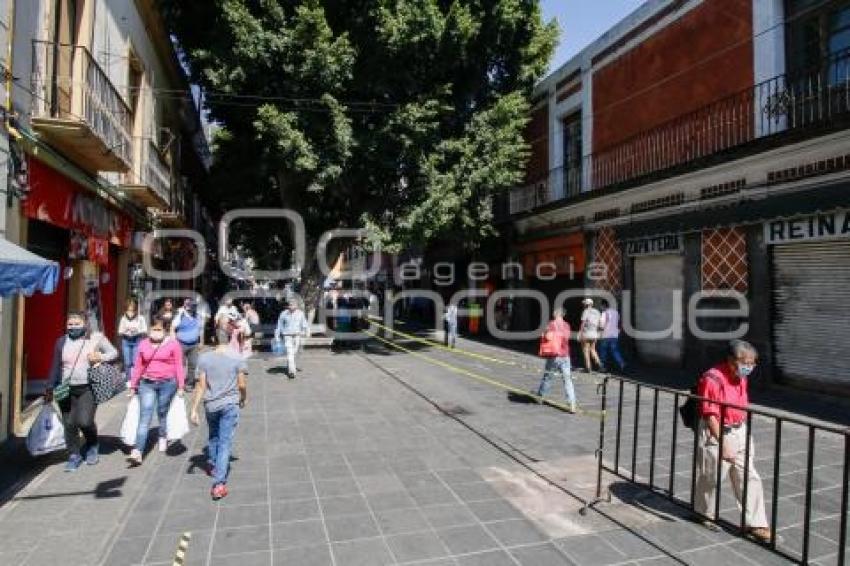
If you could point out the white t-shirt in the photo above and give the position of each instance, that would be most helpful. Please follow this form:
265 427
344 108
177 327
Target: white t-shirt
590 323
611 324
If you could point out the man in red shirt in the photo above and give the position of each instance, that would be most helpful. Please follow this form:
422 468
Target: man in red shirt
727 382
555 347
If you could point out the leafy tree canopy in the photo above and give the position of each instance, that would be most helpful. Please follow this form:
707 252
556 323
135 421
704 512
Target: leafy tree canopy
403 115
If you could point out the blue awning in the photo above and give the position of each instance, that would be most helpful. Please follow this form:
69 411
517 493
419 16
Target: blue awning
23 272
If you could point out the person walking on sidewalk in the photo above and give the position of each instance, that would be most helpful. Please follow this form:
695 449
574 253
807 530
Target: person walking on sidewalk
609 343
291 325
131 328
167 312
223 389
555 348
73 355
157 376
451 326
188 328
589 334
727 383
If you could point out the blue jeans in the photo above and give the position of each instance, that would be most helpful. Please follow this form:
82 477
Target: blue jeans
222 425
561 365
451 334
610 348
129 346
153 393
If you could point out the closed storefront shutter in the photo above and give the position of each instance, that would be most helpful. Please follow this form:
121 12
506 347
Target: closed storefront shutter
659 281
811 311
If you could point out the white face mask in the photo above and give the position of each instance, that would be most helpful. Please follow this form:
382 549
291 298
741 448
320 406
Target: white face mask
156 335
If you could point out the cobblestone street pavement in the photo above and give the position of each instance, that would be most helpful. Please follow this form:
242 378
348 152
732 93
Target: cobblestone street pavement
369 457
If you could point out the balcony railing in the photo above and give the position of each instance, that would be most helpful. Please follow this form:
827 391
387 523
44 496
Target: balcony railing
70 88
804 102
149 182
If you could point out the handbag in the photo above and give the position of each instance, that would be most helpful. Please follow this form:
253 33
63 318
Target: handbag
63 390
106 381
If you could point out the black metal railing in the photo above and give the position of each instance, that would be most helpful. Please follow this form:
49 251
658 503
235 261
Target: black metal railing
788 102
68 84
807 481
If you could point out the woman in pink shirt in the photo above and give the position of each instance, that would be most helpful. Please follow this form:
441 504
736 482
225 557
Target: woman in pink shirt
156 376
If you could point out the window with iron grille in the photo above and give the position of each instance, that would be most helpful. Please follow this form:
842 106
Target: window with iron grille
819 37
572 154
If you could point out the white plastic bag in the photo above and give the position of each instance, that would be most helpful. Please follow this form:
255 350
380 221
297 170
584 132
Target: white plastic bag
47 433
177 422
130 426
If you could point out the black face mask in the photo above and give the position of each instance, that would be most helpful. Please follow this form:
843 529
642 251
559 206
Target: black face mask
75 333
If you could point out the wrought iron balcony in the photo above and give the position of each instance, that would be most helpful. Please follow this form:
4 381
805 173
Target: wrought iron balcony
77 109
149 183
803 104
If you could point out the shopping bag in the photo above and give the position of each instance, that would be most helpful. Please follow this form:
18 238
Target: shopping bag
130 425
47 433
278 347
177 422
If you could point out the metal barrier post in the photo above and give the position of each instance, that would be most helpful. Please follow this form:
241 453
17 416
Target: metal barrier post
719 476
807 512
635 432
777 442
600 452
842 537
652 448
619 427
673 445
746 472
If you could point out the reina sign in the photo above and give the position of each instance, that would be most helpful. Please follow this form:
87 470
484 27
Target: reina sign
670 244
826 226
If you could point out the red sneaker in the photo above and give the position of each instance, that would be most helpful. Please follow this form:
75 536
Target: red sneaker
218 491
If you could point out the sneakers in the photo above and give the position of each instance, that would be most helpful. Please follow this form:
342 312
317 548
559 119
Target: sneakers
92 457
710 525
135 457
162 444
573 407
73 463
218 491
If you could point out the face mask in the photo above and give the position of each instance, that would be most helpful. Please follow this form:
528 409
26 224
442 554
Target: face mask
744 370
131 314
156 335
76 332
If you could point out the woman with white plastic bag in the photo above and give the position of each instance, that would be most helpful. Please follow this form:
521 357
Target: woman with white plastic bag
47 433
69 385
157 376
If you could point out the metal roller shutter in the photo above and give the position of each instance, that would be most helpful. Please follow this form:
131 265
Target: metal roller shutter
811 300
657 281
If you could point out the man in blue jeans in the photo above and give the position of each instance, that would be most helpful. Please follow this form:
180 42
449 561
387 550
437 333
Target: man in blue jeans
609 343
222 386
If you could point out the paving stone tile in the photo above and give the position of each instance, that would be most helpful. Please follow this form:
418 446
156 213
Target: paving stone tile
201 519
125 552
351 527
163 547
391 500
540 555
396 521
262 558
318 555
492 558
337 487
516 531
340 506
411 547
286 511
243 516
365 552
298 533
496 510
240 540
591 550
293 491
449 515
466 539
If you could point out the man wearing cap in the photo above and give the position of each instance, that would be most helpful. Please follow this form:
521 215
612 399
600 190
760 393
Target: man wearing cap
291 325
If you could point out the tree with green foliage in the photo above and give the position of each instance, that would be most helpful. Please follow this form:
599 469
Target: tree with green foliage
405 116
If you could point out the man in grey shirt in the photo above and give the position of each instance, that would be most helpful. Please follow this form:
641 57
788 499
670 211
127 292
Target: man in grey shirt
222 386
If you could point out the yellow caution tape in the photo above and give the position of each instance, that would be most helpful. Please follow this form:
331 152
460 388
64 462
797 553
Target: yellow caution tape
489 381
536 369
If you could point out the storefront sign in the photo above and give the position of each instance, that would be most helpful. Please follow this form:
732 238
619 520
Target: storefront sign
55 199
826 226
670 244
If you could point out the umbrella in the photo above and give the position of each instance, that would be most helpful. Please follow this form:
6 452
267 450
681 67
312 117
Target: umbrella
22 271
